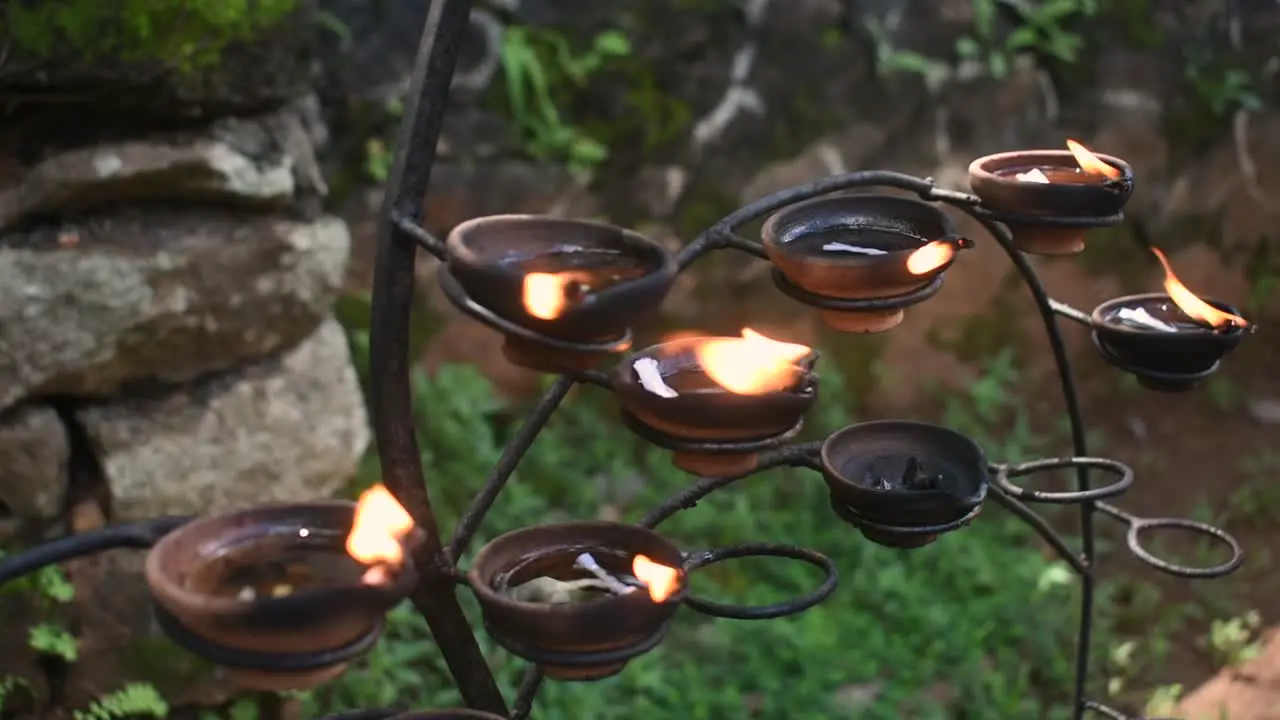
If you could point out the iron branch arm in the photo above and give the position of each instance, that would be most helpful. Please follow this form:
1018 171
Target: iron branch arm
502 471
1033 520
138 535
799 455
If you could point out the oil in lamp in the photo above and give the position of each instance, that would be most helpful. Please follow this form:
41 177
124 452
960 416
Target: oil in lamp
579 599
563 292
715 401
860 258
271 591
1050 198
903 483
1169 340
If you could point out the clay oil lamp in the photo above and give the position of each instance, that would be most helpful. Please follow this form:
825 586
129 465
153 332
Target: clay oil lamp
860 259
1050 198
715 401
1169 340
903 483
284 595
579 599
562 292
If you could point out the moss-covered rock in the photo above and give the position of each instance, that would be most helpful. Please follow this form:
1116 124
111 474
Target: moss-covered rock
158 58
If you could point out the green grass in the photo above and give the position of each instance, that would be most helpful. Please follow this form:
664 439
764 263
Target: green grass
978 620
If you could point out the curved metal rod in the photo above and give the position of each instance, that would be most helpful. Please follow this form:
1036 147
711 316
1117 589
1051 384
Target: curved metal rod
1041 528
412 229
800 455
390 392
139 535
1071 313
506 465
721 235
525 694
1079 443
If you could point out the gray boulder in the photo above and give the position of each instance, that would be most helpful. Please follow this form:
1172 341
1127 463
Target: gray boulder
290 428
158 296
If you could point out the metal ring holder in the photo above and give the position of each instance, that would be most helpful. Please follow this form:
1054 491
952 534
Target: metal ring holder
698 560
270 662
1005 473
894 302
675 444
584 659
849 515
1138 526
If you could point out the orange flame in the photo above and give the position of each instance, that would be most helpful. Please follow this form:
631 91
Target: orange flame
1091 163
750 365
547 295
380 524
661 580
930 257
1189 303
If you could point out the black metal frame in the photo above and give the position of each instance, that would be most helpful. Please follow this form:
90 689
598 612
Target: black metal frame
393 420
435 594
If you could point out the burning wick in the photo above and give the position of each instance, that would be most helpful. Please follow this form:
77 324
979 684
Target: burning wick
548 295
380 526
661 580
1091 163
750 365
1193 306
935 254
587 562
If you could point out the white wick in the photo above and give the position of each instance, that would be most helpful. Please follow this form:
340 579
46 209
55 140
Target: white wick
588 563
844 247
651 379
1033 175
1140 316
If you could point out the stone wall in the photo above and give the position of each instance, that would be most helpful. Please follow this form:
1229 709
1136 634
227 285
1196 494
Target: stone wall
167 348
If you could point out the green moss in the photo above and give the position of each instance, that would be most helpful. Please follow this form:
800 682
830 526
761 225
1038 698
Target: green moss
185 34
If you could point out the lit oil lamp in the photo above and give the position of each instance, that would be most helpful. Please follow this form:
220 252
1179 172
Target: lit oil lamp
904 483
284 582
1169 341
850 248
566 281
580 599
721 394
1050 198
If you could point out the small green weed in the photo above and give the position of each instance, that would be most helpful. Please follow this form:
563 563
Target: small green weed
131 702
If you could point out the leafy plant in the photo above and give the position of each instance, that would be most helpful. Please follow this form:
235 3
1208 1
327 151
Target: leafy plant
536 63
136 700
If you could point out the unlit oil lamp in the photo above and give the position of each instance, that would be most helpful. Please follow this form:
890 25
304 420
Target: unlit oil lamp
715 401
579 599
860 258
272 591
903 483
1171 340
1050 198
562 292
